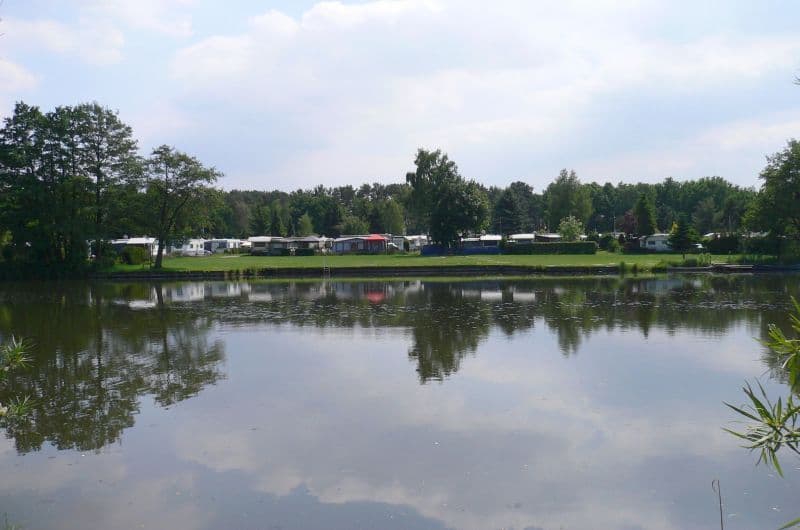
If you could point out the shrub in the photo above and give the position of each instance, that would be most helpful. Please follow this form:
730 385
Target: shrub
132 255
701 260
632 247
570 229
304 252
579 247
106 261
723 245
613 246
760 245
605 241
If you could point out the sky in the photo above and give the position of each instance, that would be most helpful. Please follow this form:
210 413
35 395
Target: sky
295 93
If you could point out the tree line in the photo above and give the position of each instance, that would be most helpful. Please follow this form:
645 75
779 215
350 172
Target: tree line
75 174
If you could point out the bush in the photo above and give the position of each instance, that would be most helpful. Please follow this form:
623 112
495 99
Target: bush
701 260
132 255
604 241
613 246
578 247
105 261
108 256
570 229
760 245
723 245
632 247
304 252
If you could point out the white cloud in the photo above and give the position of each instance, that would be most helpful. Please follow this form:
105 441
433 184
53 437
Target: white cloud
169 17
716 150
559 436
15 78
384 77
95 43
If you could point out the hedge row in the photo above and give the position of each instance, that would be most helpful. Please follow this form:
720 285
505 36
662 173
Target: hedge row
578 247
724 245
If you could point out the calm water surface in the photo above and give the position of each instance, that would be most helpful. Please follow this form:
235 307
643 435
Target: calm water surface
538 404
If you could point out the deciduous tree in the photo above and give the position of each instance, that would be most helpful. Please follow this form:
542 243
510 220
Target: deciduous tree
645 214
567 196
176 185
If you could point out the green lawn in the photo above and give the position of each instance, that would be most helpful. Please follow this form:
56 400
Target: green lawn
243 262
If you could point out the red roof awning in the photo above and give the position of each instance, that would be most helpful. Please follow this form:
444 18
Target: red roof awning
375 237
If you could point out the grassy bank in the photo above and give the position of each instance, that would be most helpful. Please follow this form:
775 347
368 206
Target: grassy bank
246 262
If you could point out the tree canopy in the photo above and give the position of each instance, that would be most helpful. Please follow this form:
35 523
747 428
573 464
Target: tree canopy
777 206
176 186
683 237
644 212
570 228
565 197
451 205
73 174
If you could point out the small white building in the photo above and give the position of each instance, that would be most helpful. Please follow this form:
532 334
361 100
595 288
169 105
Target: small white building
267 245
488 240
148 243
190 247
311 242
415 243
655 242
522 239
220 246
548 238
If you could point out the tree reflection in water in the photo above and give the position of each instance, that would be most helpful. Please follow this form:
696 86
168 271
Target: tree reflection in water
102 347
98 350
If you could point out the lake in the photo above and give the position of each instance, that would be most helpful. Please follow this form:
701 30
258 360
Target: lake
541 404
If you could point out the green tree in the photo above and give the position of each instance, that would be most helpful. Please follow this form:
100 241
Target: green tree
260 220
511 213
683 237
775 208
570 228
461 207
45 193
305 226
276 226
176 186
431 167
391 217
565 197
704 215
452 205
353 225
644 212
108 154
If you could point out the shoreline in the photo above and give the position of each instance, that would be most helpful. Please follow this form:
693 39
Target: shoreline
431 271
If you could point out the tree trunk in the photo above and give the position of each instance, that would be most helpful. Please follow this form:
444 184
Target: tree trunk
160 253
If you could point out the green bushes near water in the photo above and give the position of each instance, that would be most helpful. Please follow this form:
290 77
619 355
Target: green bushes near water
132 255
700 260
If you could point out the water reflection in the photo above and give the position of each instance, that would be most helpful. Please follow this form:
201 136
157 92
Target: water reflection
570 403
98 350
105 345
